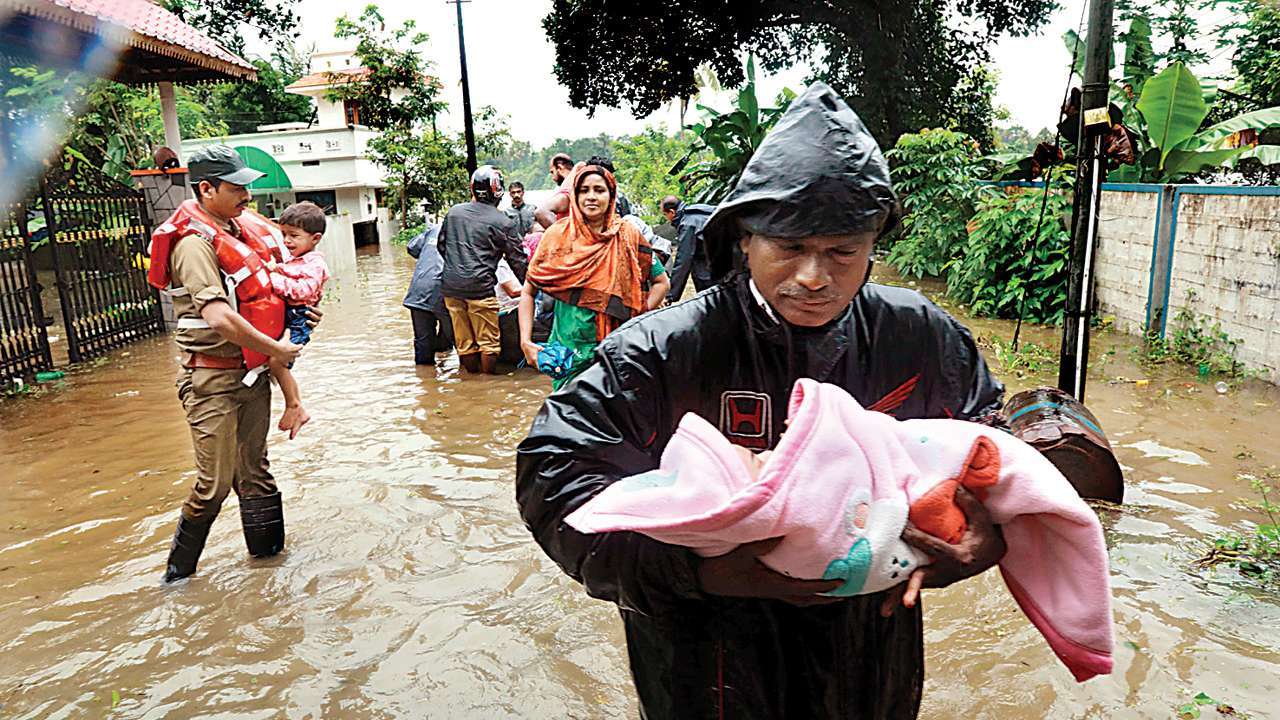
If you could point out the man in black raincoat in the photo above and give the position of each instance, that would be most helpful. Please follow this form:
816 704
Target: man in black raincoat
726 637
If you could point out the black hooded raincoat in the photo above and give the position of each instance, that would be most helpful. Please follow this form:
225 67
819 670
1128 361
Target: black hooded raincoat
724 356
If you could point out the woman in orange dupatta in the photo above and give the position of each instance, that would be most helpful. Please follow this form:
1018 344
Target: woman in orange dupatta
600 271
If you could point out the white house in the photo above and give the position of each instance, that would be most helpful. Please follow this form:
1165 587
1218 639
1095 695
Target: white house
324 162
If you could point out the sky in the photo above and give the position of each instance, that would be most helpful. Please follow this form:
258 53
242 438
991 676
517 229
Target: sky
510 65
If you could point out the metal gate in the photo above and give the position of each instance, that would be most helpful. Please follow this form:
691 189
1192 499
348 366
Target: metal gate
24 344
99 231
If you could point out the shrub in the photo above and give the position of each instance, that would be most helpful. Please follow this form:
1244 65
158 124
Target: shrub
1197 342
996 261
934 172
408 233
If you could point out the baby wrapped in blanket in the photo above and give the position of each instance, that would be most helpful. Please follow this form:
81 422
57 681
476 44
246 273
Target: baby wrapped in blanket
840 487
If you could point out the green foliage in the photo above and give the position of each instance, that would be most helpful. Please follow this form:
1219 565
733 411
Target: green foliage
1256 59
226 20
1139 54
643 162
1255 552
1019 141
902 66
1191 710
727 140
934 172
408 233
397 96
1194 341
1173 107
1178 21
396 90
120 125
1028 359
996 266
1171 144
245 106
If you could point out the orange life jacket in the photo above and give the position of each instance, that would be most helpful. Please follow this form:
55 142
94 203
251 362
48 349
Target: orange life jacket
244 263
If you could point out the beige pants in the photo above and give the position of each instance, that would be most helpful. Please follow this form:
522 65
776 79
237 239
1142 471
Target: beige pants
229 430
475 325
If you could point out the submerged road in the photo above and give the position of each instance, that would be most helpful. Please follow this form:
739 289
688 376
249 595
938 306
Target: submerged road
409 587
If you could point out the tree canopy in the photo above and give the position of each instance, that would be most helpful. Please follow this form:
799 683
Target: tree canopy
274 20
901 65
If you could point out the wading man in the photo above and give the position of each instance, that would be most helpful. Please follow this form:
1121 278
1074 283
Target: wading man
725 637
213 255
473 238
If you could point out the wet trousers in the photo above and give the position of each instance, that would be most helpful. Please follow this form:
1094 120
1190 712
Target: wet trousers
431 335
475 325
229 431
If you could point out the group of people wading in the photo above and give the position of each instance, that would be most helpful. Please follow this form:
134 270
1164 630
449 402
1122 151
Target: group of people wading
782 266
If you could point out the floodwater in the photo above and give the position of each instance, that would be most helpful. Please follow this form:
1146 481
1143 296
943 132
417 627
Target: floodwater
410 588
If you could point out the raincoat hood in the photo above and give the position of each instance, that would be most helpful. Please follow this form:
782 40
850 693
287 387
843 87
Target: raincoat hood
818 172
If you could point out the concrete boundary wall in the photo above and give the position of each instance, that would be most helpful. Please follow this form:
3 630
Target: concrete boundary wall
1221 242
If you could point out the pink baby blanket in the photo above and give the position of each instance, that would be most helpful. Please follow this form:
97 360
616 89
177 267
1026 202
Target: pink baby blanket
840 487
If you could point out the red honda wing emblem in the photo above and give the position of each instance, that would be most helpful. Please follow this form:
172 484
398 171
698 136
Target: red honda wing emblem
746 418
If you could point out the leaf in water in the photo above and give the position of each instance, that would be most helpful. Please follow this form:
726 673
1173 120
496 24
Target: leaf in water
1202 699
115 698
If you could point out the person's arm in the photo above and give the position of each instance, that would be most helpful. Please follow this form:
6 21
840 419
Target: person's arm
512 288
586 437
513 251
686 242
442 239
658 293
600 428
525 313
233 328
979 394
558 204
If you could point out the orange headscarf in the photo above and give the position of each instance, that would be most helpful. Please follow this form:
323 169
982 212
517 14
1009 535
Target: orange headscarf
599 271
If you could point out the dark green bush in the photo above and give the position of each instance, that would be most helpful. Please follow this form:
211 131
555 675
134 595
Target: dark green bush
996 261
934 172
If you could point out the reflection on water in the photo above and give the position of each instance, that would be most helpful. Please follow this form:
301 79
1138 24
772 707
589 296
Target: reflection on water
410 588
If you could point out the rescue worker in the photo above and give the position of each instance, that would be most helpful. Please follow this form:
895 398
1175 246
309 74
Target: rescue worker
473 238
727 637
691 257
212 255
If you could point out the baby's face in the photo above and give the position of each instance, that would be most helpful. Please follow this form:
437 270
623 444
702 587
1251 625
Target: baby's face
755 462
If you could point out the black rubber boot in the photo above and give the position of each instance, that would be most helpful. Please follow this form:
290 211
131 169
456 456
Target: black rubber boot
188 543
263 520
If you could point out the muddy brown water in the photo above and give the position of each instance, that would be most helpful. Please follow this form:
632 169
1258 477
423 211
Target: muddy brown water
410 587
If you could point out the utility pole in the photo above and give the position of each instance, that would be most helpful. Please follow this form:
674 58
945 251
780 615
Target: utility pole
469 129
1091 171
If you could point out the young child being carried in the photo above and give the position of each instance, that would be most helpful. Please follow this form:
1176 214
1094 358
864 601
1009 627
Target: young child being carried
839 489
299 281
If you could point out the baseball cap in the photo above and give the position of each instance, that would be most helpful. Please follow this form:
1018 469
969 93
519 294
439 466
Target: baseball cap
222 163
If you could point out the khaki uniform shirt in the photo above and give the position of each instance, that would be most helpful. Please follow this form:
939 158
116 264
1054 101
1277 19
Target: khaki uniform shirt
193 265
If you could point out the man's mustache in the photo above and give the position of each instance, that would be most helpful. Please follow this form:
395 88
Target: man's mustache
799 293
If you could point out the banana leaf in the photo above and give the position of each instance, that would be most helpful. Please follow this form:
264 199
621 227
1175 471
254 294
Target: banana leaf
1262 119
1265 154
1075 48
1173 106
1186 162
1139 57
